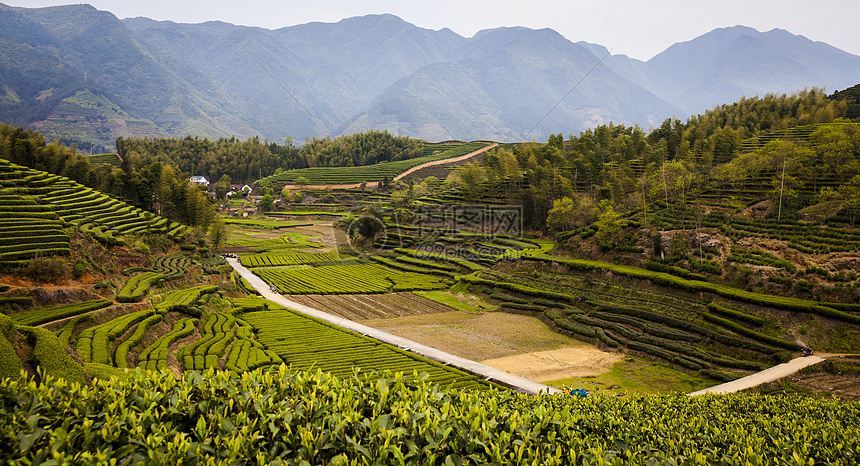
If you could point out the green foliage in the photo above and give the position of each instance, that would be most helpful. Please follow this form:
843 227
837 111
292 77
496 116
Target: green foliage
469 265
780 302
15 301
50 355
137 287
184 300
154 356
139 181
745 256
737 328
566 324
217 333
94 213
41 316
508 298
95 344
66 333
652 264
396 419
609 226
308 343
292 258
406 266
716 308
346 279
571 212
105 372
121 355
10 363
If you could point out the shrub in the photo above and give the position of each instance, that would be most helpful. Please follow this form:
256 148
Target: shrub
79 269
47 269
40 316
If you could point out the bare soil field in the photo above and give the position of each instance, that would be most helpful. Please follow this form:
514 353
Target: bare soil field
480 337
324 234
510 342
557 364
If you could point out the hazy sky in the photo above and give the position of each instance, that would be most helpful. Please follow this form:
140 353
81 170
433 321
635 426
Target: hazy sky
638 28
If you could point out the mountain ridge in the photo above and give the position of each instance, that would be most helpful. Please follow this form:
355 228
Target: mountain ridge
216 79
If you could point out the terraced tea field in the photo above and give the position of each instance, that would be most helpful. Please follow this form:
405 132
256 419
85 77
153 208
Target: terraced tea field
346 279
53 201
360 307
368 173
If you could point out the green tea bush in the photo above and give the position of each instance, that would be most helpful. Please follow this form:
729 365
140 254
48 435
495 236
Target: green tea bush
41 316
716 308
51 356
737 328
137 287
368 419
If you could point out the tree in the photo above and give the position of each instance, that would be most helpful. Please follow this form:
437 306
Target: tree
266 202
562 216
222 187
471 176
217 233
571 212
846 195
610 226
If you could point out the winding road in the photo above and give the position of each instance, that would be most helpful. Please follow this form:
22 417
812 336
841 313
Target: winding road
498 376
495 375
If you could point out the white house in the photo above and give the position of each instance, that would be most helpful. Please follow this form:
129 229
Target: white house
201 180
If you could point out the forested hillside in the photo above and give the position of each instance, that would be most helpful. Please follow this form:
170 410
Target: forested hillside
250 160
629 168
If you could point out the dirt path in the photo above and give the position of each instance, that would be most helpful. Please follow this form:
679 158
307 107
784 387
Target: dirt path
396 178
444 161
490 373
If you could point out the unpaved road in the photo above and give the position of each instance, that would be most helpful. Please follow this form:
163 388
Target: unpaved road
767 375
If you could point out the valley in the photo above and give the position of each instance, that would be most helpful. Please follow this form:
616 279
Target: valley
636 267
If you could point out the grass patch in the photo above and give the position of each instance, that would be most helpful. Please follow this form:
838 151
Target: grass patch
634 375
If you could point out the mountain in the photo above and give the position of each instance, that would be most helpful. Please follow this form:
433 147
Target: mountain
726 64
503 82
102 82
332 70
82 75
